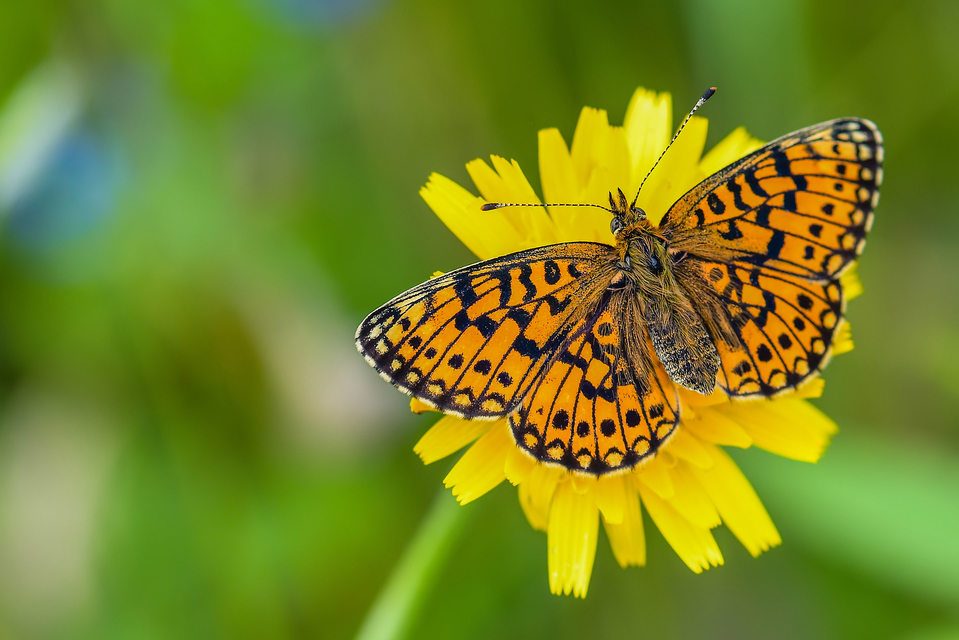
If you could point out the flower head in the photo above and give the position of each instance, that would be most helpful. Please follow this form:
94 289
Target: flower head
691 485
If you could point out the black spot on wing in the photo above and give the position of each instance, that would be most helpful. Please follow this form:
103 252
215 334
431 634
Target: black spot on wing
551 272
781 163
557 306
789 201
762 215
763 353
754 184
463 287
561 419
776 244
520 316
525 279
607 427
486 326
526 347
715 204
742 368
732 231
587 389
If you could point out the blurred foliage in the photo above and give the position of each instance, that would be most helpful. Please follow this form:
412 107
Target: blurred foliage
202 198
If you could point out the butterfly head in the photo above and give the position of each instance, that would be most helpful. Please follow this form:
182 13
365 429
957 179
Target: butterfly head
626 217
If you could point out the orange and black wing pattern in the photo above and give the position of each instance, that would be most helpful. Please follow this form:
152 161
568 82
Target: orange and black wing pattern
599 406
802 204
471 342
767 238
783 326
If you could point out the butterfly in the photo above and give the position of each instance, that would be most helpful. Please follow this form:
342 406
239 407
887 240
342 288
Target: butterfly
582 345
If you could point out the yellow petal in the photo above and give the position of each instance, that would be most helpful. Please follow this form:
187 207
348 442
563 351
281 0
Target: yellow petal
843 341
572 533
647 125
712 426
696 400
627 538
737 503
851 284
677 173
505 182
533 223
609 494
655 475
685 446
610 172
582 224
690 499
582 484
536 494
789 427
556 170
733 147
812 389
449 435
694 545
481 467
518 466
486 233
589 141
418 406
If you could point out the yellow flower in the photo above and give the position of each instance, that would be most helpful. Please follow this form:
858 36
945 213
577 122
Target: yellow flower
691 485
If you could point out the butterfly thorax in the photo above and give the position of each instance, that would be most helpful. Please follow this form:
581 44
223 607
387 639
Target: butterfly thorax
645 278
644 263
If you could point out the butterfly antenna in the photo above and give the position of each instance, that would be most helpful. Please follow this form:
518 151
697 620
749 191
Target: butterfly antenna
490 206
702 100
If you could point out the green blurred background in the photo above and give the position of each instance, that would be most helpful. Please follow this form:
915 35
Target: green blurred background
202 198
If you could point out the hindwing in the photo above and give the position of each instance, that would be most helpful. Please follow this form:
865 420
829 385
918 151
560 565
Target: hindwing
783 327
601 405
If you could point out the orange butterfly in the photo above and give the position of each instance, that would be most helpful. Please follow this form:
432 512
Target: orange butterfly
581 344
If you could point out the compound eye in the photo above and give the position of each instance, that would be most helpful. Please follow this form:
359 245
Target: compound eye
615 226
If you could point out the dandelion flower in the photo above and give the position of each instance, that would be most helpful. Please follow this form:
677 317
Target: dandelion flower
691 485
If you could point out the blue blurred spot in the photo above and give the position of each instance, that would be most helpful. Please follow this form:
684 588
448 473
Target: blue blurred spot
319 13
73 195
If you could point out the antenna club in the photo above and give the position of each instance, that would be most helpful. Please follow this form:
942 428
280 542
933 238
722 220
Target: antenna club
706 96
489 206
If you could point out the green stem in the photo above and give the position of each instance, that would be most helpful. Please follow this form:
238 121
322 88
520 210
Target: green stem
395 609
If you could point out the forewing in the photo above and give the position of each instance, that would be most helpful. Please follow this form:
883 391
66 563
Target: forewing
472 341
802 204
781 327
599 407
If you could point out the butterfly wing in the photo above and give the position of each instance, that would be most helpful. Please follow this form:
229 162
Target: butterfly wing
601 405
802 204
472 342
767 239
782 326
